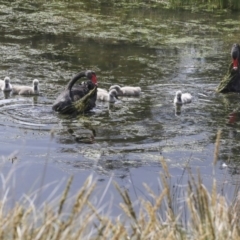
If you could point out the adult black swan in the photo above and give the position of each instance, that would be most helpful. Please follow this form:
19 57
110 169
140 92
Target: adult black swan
231 81
80 97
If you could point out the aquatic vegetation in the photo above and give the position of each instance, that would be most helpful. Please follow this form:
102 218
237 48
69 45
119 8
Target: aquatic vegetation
80 105
229 83
206 4
61 17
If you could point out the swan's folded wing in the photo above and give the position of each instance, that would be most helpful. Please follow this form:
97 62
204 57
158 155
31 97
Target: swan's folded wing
82 105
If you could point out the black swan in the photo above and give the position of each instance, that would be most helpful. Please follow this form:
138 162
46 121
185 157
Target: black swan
231 80
73 93
26 90
235 53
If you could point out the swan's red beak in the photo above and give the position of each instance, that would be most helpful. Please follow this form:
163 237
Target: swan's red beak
94 79
235 63
232 118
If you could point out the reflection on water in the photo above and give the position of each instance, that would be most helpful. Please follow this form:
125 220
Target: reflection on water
130 135
178 109
6 95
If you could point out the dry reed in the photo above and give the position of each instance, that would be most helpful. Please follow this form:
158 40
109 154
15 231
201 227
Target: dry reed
209 215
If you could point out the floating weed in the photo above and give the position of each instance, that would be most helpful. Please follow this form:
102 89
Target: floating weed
175 40
59 17
206 5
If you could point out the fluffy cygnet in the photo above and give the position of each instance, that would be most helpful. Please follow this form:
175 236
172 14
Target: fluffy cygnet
6 85
110 96
27 90
126 91
182 98
101 90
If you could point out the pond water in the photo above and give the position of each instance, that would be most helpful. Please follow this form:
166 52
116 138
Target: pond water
160 50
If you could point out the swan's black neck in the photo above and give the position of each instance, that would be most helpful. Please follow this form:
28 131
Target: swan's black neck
74 79
235 51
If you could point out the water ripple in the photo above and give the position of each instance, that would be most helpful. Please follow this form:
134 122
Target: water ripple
26 114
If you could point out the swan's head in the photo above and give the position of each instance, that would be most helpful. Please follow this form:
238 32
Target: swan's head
7 80
178 94
235 53
92 76
117 88
35 84
7 83
113 93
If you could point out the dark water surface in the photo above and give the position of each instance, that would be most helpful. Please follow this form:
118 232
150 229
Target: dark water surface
162 51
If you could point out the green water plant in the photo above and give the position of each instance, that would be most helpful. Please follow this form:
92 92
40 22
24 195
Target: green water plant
230 81
81 105
212 4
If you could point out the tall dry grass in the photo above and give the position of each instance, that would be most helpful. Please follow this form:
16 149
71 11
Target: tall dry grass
191 213
209 216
